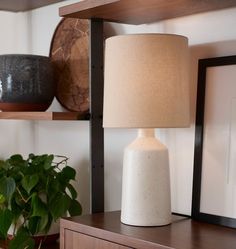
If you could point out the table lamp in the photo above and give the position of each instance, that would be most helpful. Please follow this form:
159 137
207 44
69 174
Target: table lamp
146 87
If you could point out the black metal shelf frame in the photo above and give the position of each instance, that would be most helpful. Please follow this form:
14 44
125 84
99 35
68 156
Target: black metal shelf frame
96 80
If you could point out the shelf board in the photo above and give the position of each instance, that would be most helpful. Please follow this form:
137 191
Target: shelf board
43 116
24 5
142 11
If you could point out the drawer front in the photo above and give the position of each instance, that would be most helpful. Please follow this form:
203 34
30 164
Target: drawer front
74 240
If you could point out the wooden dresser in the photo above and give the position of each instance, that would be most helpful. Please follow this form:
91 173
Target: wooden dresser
105 231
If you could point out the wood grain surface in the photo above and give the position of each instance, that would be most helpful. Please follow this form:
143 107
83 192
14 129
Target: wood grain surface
43 116
141 11
183 233
70 54
78 240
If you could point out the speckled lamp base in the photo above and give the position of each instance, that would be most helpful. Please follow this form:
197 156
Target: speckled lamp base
26 83
146 182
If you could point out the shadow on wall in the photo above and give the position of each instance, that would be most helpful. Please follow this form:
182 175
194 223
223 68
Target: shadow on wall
83 171
209 50
112 29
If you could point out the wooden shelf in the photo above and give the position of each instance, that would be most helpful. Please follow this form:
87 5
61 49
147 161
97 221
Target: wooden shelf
43 116
24 5
139 12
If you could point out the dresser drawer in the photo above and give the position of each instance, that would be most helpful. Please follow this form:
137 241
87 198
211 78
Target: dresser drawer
75 240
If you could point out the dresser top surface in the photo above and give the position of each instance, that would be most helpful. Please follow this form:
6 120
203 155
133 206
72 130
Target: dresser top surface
183 233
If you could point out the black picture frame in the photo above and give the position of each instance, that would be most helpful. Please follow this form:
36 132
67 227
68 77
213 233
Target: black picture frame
203 66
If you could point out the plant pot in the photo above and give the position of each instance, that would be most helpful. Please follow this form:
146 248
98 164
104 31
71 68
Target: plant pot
51 237
46 239
26 82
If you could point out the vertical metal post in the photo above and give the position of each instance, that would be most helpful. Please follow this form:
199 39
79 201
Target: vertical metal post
96 110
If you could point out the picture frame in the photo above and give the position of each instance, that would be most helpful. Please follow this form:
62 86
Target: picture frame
214 176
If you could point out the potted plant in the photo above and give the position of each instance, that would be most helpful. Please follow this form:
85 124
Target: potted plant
34 193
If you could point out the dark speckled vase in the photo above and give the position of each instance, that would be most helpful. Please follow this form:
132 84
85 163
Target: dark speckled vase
26 82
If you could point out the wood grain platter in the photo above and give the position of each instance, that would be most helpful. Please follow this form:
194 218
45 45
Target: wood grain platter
70 54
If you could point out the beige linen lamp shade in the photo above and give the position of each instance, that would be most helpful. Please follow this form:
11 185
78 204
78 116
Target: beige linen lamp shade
146 81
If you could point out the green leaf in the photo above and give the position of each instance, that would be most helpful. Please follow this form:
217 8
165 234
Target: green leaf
16 209
7 186
6 218
43 223
39 208
48 162
48 226
38 224
20 197
16 161
38 161
59 205
75 208
33 224
69 172
29 182
4 165
72 191
2 199
22 240
16 158
52 188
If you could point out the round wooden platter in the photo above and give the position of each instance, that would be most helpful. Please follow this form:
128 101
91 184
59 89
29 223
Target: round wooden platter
70 54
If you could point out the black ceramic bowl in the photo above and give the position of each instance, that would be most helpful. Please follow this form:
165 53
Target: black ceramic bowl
26 82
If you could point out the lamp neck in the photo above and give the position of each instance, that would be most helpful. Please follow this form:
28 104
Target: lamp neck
146 133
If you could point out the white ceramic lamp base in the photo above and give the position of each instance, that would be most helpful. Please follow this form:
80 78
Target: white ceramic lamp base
146 182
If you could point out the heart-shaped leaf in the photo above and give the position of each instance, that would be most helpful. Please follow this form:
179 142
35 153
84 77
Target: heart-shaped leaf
29 181
69 173
59 205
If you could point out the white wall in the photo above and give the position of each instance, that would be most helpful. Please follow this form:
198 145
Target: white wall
14 33
210 34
